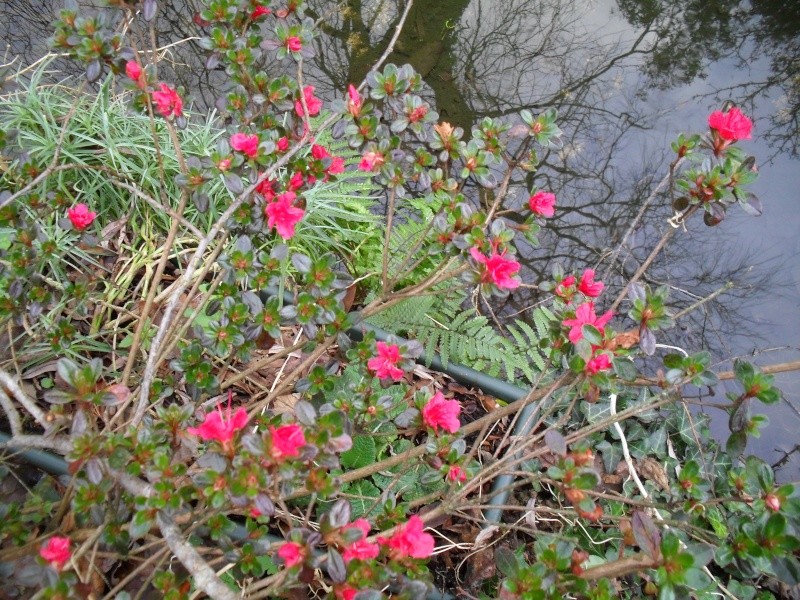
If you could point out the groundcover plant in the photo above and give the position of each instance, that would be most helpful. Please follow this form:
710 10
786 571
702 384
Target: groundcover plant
186 302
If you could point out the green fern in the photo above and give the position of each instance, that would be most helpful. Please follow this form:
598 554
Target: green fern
440 324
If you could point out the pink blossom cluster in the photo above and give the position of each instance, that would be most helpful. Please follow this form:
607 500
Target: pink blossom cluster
80 216
498 269
385 364
56 551
439 412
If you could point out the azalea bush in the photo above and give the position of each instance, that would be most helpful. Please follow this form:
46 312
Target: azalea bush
256 432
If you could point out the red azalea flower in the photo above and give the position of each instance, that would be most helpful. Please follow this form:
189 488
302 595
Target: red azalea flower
313 103
588 286
168 102
246 144
267 189
371 161
56 551
542 204
258 12
294 44
585 315
296 181
385 364
80 216
410 541
346 592
562 289
499 270
134 70
319 152
354 101
292 554
282 144
732 125
456 474
221 427
337 166
283 215
439 412
287 441
601 362
361 549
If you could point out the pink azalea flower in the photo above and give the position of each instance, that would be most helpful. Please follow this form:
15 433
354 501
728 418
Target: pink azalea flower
246 144
361 549
296 181
499 270
258 12
292 553
221 427
283 215
56 551
601 362
168 102
588 286
337 166
385 364
224 164
134 70
585 315
80 216
319 152
282 144
439 412
371 161
732 125
346 593
267 189
410 541
542 204
287 441
456 474
562 289
354 101
294 44
313 103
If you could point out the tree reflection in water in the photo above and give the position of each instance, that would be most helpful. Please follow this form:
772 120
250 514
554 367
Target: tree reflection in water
597 63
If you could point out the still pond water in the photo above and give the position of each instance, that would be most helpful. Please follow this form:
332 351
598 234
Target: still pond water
626 76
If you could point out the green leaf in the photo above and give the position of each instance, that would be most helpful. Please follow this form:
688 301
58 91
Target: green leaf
364 496
506 561
361 454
